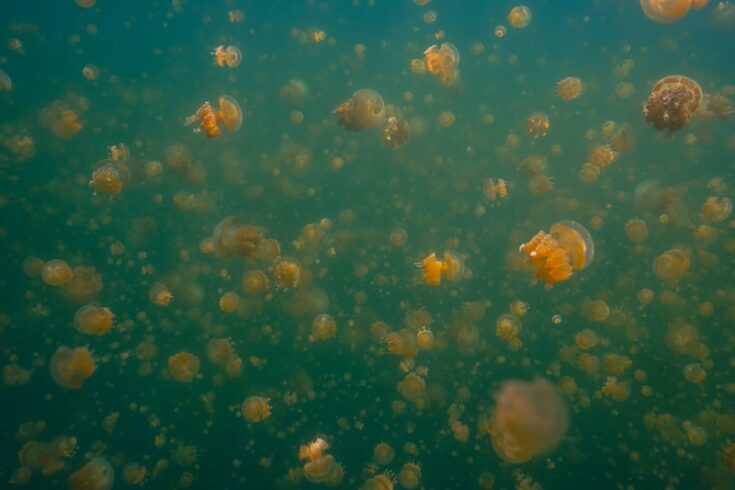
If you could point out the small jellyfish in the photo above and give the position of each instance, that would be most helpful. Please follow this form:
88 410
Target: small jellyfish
255 282
383 454
5 82
323 328
70 367
538 124
183 367
365 109
569 88
90 72
672 102
159 294
519 17
409 476
56 273
672 264
636 230
98 474
425 339
286 273
529 418
717 208
231 56
567 247
229 302
432 269
110 178
93 320
495 189
443 62
256 409
396 133
232 238
294 92
229 114
220 351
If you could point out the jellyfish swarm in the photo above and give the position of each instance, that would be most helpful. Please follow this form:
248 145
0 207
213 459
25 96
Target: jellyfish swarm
529 418
70 367
365 109
98 474
442 62
672 102
432 269
567 246
229 114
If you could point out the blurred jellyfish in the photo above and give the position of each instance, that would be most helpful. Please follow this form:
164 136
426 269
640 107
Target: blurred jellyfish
529 418
567 247
71 367
183 366
5 82
365 109
98 474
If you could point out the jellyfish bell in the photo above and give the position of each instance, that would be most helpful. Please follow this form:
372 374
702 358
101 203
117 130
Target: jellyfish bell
5 82
365 109
183 367
233 56
230 113
71 367
98 474
666 11
672 102
567 247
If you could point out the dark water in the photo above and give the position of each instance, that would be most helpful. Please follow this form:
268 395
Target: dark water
333 199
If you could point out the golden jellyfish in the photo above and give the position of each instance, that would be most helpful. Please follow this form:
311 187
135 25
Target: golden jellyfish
425 339
84 285
667 11
432 270
365 109
256 409
567 247
232 238
401 343
538 124
383 481
409 476
413 388
519 17
93 320
395 133
717 208
229 56
90 72
5 82
229 302
694 373
314 450
62 120
56 273
443 62
159 294
672 264
569 88
540 184
71 367
529 418
495 189
85 4
183 367
500 31
220 351
255 282
383 454
134 473
596 310
98 474
324 469
294 92
636 230
323 328
110 178
586 339
672 102
229 114
286 273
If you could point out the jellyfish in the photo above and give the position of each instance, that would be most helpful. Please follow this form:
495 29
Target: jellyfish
255 282
672 264
567 246
717 208
636 230
98 474
667 11
256 409
159 294
495 189
110 177
529 419
231 56
93 320
443 62
383 454
286 273
672 102
538 124
229 302
425 339
5 82
395 133
71 367
519 17
323 328
409 476
569 88
56 273
84 286
183 367
365 109
62 120
432 269
229 114
232 238
294 92
220 351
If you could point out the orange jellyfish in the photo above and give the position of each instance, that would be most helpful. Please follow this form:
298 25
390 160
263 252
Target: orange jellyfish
529 418
256 409
286 273
667 11
232 238
231 56
443 62
432 269
495 189
56 273
519 17
396 133
229 114
110 178
84 286
93 320
717 208
183 366
569 88
567 246
672 264
98 474
672 102
5 82
538 124
70 367
365 109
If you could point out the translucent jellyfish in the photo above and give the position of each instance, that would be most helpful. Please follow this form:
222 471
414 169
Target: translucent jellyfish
383 454
286 273
256 409
84 286
232 238
56 273
443 62
323 328
294 92
134 473
672 102
569 88
85 4
519 17
495 189
90 72
231 56
93 320
324 469
220 351
229 114
596 310
667 11
409 476
413 388
432 269
229 302
395 133
383 481
63 121
365 109
401 343
159 294
71 367
98 474
538 124
255 282
49 457
567 247
110 178
529 418
183 367
5 82
672 264
313 450
717 208
636 230
425 339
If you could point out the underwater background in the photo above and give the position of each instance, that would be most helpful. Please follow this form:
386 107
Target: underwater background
176 229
